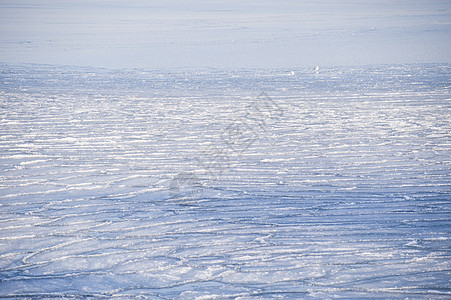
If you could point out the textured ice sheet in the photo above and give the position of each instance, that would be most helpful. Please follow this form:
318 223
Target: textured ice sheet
345 191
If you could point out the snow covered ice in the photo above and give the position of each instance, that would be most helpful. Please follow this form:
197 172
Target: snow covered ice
345 193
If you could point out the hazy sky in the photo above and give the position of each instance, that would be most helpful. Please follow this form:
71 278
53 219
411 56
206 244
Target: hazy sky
224 34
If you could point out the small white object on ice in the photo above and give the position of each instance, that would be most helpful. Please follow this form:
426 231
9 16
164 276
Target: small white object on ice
316 69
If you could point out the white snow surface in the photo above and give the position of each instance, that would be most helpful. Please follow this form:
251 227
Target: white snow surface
224 33
343 192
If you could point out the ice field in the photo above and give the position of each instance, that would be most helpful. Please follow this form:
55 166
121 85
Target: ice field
216 184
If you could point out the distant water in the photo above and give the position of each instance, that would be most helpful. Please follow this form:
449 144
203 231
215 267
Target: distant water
212 183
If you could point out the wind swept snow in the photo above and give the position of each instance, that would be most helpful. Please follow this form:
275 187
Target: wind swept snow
337 186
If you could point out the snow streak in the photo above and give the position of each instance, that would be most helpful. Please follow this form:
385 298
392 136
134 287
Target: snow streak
345 194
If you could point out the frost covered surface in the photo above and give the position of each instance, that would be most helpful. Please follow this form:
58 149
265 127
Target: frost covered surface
346 192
